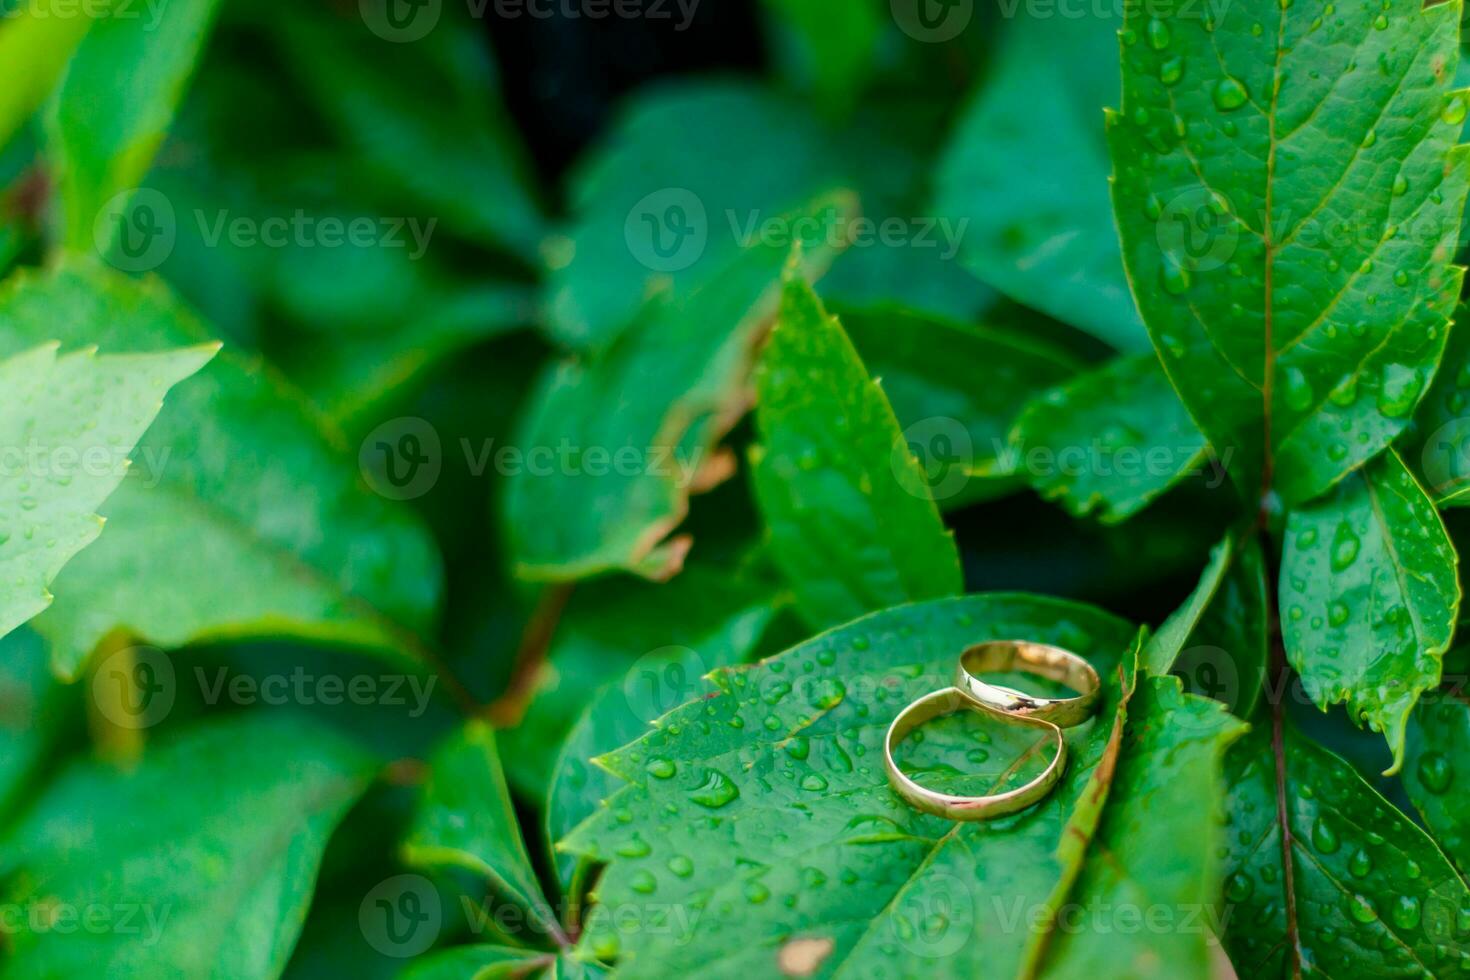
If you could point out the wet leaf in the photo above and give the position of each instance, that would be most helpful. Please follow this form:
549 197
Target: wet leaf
614 443
1109 441
1288 193
852 523
69 422
1369 596
761 815
244 515
1359 889
202 860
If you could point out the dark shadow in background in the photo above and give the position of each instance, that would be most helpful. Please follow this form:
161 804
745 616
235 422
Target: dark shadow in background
563 74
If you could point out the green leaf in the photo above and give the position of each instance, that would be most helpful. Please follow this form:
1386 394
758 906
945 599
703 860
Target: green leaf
352 375
852 523
622 624
1369 596
690 174
35 712
35 48
1217 641
615 715
1437 448
203 858
1288 194
775 786
1437 764
427 116
1154 853
244 517
113 108
828 45
477 963
1109 441
1330 879
653 408
69 420
908 281
465 819
1027 168
956 389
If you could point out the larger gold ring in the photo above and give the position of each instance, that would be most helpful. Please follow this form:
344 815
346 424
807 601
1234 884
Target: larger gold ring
947 701
1041 659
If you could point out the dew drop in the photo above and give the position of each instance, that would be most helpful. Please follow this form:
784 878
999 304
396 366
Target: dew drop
716 790
1360 864
1324 838
1454 110
1157 33
1435 772
1175 277
643 882
1171 71
1230 94
681 866
1297 390
661 768
1345 545
1405 912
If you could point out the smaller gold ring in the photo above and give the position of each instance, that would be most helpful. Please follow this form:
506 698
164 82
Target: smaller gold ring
948 701
1041 659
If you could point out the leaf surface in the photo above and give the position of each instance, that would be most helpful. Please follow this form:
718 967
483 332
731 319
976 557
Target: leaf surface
616 442
1217 641
465 819
611 628
1437 763
69 420
426 115
1027 168
1369 596
481 962
852 523
1154 853
775 786
1110 441
111 111
1288 193
1325 877
203 858
956 389
244 515
35 48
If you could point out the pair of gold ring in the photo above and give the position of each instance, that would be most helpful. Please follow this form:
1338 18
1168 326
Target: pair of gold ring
969 692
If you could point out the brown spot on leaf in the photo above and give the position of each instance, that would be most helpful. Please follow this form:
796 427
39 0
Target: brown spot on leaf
801 957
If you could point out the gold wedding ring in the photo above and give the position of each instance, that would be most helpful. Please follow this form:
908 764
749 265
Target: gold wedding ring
1042 659
1049 715
948 701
